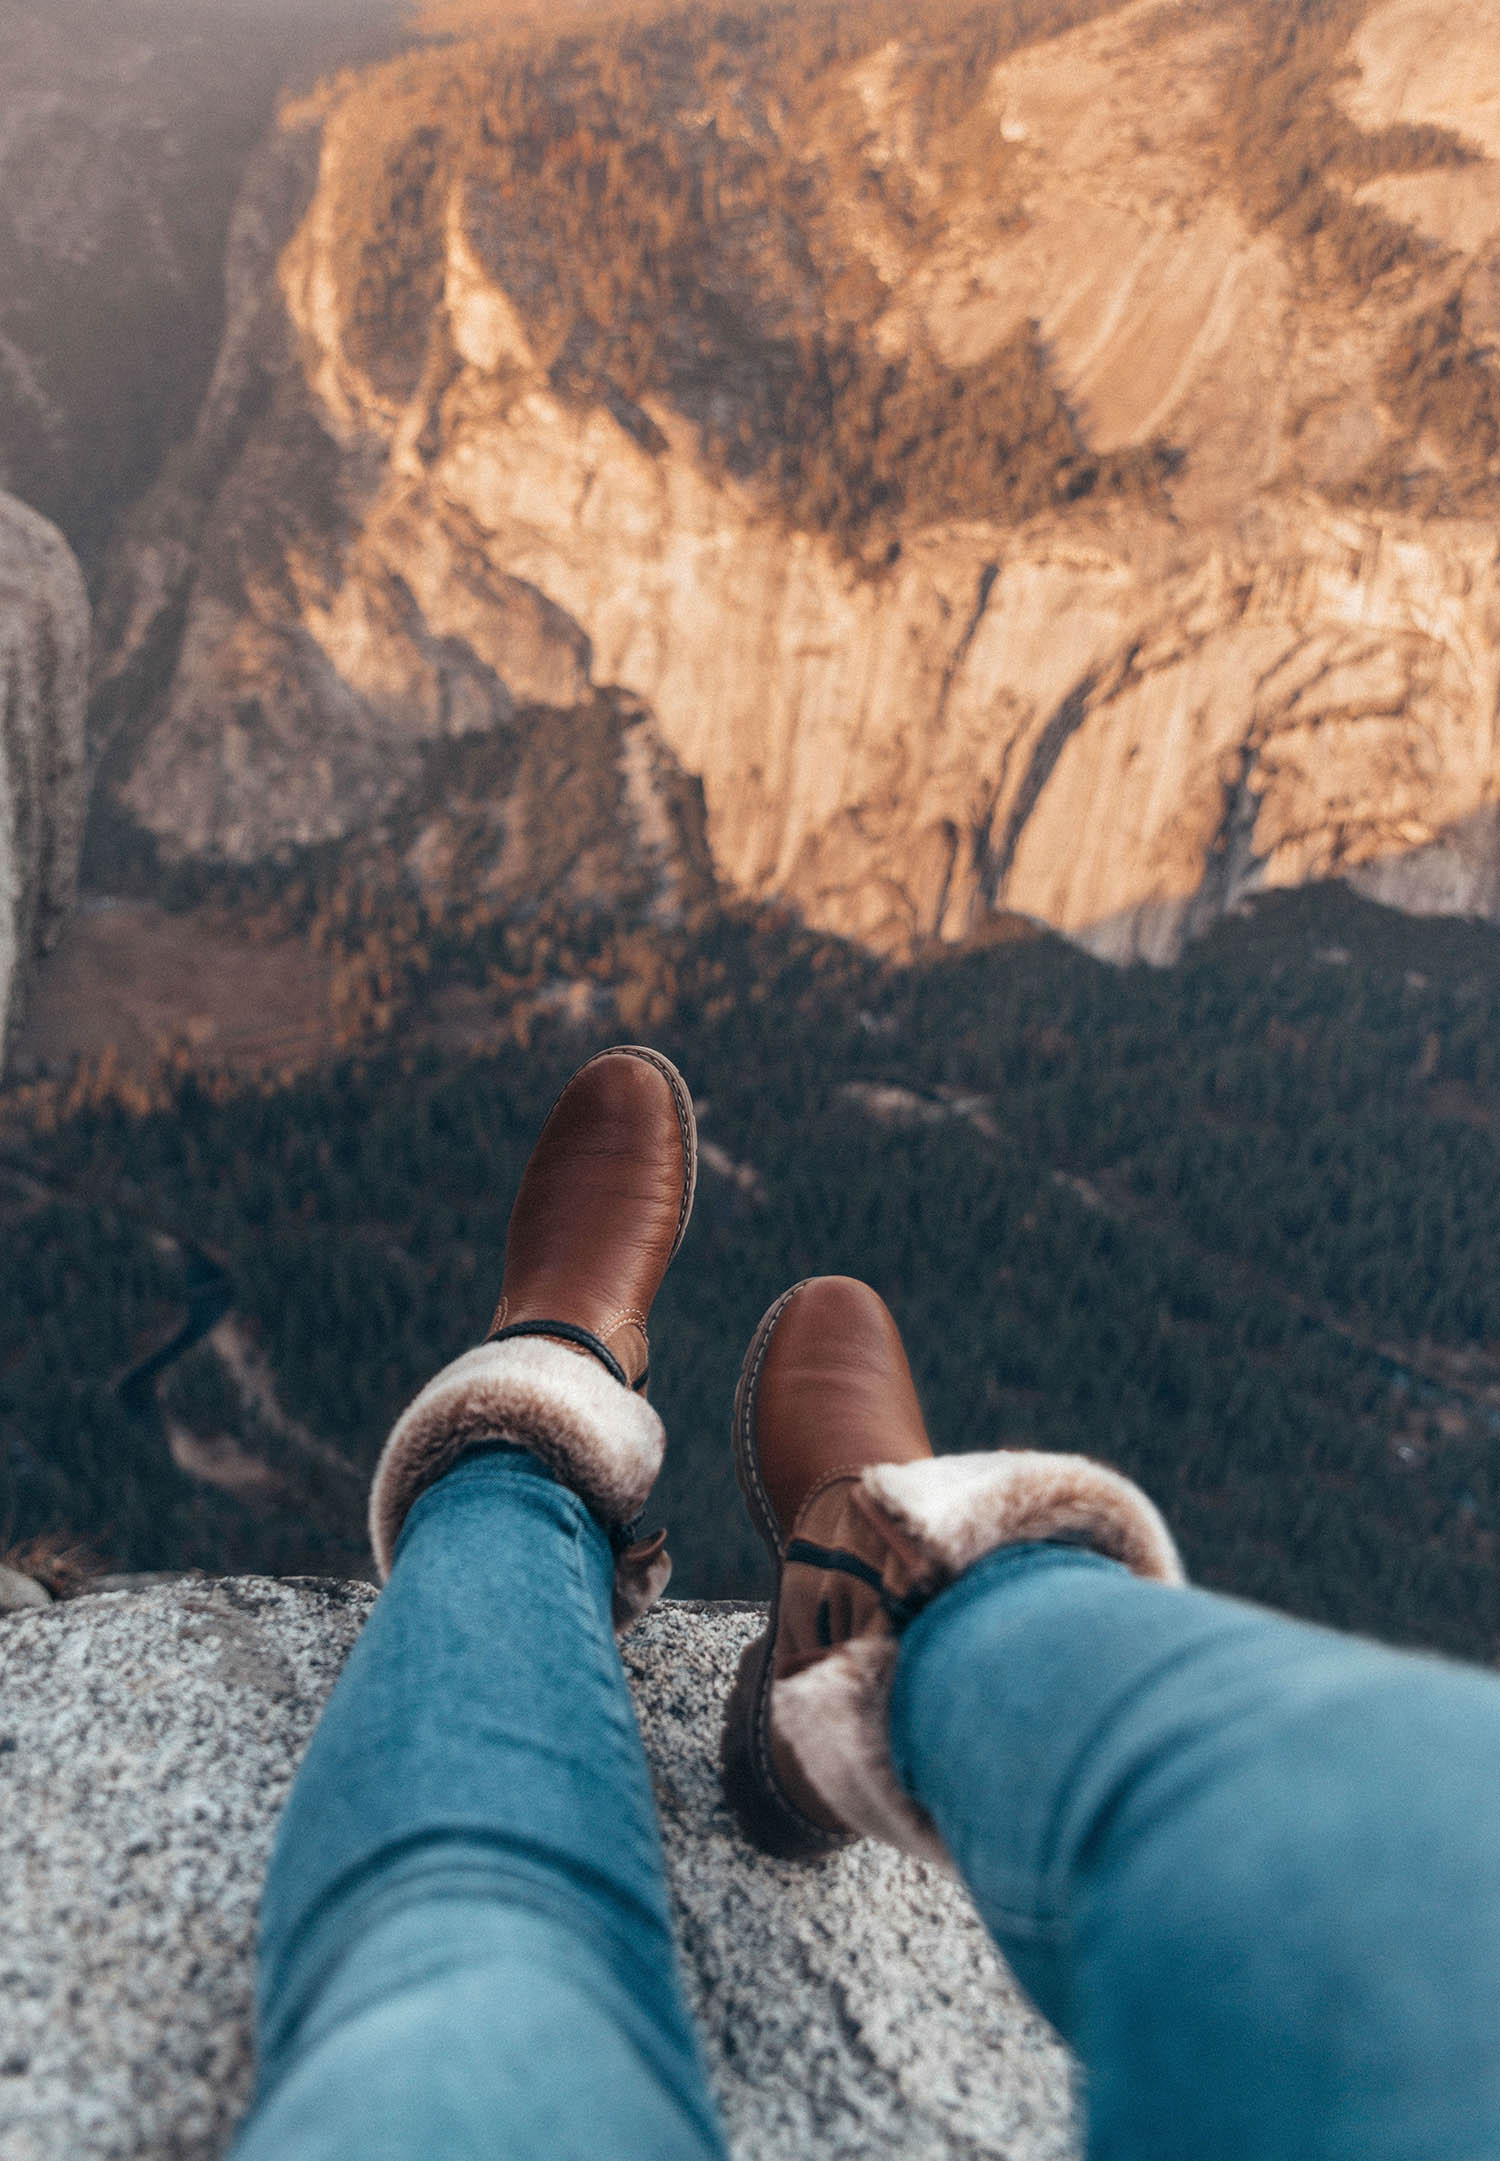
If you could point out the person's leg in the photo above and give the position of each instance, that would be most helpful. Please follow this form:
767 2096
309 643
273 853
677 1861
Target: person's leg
466 1948
1250 1869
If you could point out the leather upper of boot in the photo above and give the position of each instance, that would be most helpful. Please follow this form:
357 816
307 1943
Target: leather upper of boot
603 1204
833 1394
868 1527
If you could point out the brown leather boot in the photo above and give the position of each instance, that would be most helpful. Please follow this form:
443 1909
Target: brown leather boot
865 1526
602 1207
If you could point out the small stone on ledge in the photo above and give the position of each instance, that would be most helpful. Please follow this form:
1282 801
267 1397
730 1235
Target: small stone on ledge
18 1592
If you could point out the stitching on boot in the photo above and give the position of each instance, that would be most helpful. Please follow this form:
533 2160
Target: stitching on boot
846 1474
748 1454
686 1126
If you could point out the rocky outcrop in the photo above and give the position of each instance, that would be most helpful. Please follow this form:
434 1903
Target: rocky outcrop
18 1591
44 643
1118 717
414 691
146 1743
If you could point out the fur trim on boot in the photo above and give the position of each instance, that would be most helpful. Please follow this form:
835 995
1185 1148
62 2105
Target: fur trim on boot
941 1516
596 1437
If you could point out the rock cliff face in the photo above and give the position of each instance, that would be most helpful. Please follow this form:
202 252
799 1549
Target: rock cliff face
420 506
147 1740
44 647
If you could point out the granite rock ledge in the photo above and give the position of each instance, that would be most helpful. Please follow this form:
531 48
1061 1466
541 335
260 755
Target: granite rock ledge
146 1741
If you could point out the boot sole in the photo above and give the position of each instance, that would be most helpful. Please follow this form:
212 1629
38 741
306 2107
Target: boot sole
766 1814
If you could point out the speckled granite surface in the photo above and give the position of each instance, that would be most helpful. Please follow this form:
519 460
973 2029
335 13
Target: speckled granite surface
146 1740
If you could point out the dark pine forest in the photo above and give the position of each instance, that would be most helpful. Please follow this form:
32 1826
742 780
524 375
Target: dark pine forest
1230 1225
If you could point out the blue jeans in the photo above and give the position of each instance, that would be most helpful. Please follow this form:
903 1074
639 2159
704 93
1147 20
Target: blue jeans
465 1944
1249 1869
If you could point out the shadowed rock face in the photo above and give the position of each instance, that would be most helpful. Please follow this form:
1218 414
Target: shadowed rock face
125 126
147 1740
44 642
432 487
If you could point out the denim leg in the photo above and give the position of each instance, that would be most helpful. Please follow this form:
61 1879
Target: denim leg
465 1943
1249 1869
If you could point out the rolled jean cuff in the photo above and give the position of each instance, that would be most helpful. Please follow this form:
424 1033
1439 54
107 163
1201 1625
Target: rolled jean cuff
603 1441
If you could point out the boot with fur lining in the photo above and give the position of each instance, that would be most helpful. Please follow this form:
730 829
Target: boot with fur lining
601 1210
865 1526
828 1723
596 1437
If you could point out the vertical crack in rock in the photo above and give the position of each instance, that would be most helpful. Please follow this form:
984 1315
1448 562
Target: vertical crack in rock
1053 740
978 833
1230 862
961 651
